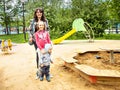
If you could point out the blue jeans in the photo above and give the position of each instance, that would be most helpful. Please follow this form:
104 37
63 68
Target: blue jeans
45 71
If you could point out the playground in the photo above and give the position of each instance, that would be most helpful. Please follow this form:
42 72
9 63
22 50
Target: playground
18 68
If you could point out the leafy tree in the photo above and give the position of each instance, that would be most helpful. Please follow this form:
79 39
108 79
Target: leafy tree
93 12
116 8
6 14
61 14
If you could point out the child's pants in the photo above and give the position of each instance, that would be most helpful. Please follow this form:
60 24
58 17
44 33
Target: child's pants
45 71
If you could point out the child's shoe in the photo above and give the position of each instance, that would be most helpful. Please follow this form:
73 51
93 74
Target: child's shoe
41 78
48 78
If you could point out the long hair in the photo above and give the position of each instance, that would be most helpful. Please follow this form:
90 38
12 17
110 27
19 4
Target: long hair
37 26
43 16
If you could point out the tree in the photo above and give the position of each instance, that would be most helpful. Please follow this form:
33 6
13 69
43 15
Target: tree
7 8
116 8
93 12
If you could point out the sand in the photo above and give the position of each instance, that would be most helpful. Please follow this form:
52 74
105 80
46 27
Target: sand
18 68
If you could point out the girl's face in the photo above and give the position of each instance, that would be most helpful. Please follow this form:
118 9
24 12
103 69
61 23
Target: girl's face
39 14
41 25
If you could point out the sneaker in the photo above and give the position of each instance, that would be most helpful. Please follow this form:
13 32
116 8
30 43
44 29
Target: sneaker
41 78
51 75
37 77
48 78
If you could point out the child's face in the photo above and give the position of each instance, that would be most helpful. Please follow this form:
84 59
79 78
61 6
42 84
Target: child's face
41 26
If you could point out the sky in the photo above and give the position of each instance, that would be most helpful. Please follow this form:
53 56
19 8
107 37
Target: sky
67 0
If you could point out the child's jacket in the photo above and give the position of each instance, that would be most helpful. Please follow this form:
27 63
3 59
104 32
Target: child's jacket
46 58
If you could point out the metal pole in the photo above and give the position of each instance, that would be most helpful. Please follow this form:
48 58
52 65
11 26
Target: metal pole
116 28
111 56
24 31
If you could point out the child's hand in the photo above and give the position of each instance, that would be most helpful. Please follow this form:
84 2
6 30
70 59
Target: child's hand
43 51
41 65
52 62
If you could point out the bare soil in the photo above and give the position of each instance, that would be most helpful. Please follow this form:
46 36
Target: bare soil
99 60
18 68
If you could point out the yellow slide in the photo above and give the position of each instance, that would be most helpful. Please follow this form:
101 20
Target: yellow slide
57 41
78 25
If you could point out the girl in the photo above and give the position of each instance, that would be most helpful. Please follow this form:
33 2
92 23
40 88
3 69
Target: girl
44 50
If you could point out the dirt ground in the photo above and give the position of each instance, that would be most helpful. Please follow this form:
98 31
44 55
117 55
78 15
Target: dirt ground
102 62
18 68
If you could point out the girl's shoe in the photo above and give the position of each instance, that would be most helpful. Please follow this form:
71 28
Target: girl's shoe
51 75
37 75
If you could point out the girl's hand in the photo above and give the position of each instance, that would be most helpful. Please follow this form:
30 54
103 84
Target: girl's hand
41 65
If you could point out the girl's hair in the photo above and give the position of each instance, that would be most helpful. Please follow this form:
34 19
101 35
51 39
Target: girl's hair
37 26
43 16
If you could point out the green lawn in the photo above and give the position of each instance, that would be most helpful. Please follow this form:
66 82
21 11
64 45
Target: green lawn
19 38
16 38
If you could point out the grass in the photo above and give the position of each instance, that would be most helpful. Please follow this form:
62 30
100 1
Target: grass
16 38
19 38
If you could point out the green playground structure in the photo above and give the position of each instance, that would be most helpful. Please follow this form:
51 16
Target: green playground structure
78 25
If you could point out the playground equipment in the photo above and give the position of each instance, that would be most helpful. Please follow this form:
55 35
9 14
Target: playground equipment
93 75
6 46
78 25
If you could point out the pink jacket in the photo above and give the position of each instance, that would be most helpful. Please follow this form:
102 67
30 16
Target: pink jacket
42 38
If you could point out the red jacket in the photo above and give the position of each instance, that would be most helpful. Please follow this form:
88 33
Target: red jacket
42 37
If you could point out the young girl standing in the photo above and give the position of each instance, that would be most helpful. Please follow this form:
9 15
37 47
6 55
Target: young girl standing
44 50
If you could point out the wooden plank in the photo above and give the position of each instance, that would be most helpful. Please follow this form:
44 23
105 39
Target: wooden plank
69 60
94 79
109 82
113 79
89 51
108 49
72 67
97 72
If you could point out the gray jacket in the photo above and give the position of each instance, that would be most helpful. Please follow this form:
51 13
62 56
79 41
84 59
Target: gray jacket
33 23
46 58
